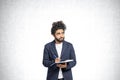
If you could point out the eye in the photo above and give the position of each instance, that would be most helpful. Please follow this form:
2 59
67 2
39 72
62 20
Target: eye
58 33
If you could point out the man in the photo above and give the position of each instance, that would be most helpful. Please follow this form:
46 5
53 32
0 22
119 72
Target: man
56 51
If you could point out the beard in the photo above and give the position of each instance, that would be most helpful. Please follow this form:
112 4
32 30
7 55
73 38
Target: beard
60 39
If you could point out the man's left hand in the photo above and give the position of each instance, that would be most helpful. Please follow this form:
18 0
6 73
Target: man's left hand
62 65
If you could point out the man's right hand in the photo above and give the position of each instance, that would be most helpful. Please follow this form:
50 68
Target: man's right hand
57 60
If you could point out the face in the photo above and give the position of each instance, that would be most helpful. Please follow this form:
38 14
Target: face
59 36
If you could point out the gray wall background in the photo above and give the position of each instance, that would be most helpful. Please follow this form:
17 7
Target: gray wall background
93 26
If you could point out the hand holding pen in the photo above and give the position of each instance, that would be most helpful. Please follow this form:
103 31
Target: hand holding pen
61 65
57 60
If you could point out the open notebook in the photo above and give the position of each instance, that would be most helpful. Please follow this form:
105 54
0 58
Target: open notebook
65 61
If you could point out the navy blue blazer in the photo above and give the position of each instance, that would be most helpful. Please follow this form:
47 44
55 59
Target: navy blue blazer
49 58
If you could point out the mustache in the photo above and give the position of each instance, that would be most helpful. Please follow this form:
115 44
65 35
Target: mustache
61 37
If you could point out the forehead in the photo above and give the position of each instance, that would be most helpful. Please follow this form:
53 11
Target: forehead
59 30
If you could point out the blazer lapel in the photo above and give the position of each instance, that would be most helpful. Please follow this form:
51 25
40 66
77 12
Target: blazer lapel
63 48
53 49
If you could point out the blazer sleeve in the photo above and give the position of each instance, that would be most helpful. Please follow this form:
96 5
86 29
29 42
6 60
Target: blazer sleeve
72 56
47 61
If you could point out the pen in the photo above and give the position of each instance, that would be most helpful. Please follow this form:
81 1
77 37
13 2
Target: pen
54 56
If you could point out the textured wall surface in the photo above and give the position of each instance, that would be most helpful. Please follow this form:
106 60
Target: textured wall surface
93 26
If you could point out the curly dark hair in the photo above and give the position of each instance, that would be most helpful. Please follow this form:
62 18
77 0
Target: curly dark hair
57 25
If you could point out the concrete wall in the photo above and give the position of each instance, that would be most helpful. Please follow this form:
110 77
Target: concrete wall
93 26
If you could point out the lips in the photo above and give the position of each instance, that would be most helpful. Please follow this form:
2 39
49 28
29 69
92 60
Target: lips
61 38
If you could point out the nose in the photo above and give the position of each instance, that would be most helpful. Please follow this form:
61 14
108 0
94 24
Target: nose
61 35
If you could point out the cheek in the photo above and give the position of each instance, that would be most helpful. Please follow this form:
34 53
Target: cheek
57 36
